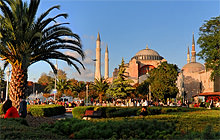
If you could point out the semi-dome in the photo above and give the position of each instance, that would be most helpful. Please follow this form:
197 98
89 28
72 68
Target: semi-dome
193 67
147 54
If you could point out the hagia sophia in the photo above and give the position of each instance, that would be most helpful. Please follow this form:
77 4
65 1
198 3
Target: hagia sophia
193 78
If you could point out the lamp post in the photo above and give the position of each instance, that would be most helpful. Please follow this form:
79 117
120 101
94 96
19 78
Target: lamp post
87 92
55 84
94 66
34 88
8 73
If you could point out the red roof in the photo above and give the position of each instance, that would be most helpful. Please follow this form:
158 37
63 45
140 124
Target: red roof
210 94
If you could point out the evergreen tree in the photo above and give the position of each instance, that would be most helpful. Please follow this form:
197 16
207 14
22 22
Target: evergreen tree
121 86
209 42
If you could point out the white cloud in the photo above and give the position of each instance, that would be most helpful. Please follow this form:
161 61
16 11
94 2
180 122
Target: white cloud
91 37
89 56
86 75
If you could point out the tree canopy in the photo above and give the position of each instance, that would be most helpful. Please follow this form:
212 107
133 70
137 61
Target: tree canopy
163 81
26 40
121 86
100 86
209 42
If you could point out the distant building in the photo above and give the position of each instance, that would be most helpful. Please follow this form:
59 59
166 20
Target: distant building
195 78
139 66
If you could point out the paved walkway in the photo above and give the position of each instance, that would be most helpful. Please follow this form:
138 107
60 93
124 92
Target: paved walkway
63 116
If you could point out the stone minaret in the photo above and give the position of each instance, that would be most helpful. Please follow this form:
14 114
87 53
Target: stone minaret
188 56
98 58
193 58
106 63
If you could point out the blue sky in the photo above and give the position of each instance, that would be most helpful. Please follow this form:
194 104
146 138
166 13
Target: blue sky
127 26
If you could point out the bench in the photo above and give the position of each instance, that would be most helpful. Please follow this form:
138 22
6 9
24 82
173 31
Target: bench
69 110
91 114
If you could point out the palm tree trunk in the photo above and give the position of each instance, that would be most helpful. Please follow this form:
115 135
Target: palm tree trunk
17 85
100 98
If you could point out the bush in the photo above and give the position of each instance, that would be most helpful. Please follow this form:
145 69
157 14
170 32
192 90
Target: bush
107 112
124 129
80 110
19 129
111 112
46 110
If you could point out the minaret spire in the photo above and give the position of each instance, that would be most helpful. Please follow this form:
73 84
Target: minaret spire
98 58
188 56
193 59
98 37
147 46
106 63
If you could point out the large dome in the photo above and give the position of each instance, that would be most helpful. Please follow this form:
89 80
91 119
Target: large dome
147 54
193 67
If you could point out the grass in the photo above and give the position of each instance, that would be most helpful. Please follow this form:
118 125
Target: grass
185 121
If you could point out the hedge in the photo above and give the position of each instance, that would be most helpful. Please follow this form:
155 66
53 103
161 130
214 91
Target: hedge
110 112
46 110
78 111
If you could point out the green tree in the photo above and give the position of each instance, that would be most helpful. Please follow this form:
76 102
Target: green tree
25 40
100 86
79 88
163 81
121 86
44 79
62 86
209 42
60 74
143 88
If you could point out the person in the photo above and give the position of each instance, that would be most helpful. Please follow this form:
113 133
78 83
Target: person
143 111
23 107
9 110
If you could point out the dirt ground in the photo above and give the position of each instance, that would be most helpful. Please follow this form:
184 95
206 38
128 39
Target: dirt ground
37 121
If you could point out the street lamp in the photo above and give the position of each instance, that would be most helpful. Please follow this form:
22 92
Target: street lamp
94 66
34 88
55 84
87 90
8 73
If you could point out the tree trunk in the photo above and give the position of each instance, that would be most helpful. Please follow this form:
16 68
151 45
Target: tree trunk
100 98
18 85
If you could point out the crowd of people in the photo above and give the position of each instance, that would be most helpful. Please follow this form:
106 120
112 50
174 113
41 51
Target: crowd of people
11 112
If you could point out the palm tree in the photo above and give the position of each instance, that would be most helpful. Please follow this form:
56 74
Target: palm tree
78 88
25 40
62 86
100 86
2 80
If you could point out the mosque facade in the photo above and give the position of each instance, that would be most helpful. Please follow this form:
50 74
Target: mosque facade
139 66
193 79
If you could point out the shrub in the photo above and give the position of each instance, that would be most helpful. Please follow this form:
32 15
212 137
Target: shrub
123 129
80 110
18 129
46 110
